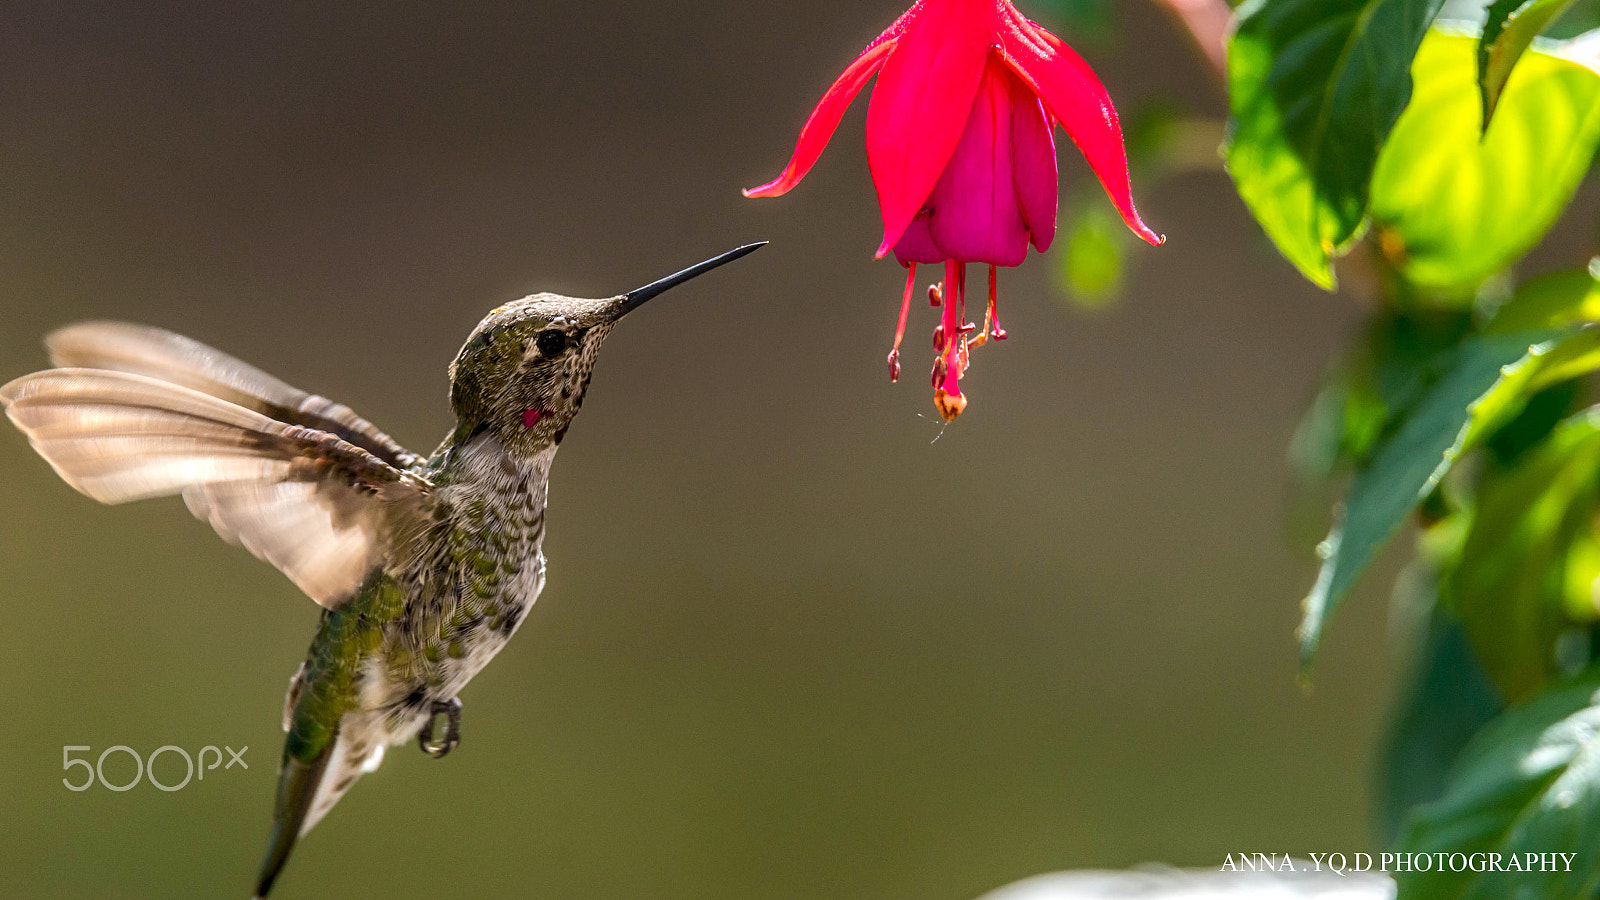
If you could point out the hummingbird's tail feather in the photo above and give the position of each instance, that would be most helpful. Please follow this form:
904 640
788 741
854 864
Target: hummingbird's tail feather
297 786
307 791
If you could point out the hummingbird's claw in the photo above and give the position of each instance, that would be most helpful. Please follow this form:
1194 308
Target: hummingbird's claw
435 747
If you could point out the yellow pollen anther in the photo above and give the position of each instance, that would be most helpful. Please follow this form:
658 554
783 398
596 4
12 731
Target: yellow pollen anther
950 405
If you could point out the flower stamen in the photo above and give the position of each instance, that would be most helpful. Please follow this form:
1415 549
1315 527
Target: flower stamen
900 329
989 324
993 315
947 389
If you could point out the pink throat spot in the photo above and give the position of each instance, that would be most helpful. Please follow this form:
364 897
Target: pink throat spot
531 417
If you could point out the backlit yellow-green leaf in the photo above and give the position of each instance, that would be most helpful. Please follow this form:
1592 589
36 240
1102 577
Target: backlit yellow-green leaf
1453 206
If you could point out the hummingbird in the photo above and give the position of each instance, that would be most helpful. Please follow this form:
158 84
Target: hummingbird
424 566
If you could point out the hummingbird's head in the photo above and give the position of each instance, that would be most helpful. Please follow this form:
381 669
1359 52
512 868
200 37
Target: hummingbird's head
524 370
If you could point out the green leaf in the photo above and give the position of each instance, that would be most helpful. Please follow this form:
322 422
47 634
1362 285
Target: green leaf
1585 16
1314 87
1092 263
1550 301
1529 783
1446 699
1402 353
1452 206
1489 382
1510 29
1484 387
1538 418
1510 584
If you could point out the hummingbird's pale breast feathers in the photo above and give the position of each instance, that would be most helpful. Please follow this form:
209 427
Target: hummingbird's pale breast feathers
464 588
470 583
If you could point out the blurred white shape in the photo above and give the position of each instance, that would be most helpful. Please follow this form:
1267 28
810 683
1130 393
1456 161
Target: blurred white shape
1162 883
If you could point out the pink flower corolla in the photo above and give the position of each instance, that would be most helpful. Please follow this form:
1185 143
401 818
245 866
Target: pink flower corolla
961 147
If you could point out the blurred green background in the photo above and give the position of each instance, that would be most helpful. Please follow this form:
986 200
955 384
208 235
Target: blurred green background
791 646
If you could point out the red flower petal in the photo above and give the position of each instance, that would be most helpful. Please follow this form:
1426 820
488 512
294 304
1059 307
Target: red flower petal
975 216
916 245
824 119
1033 164
1080 103
921 102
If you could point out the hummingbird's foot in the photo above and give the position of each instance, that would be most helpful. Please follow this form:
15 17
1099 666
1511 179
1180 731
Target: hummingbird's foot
434 746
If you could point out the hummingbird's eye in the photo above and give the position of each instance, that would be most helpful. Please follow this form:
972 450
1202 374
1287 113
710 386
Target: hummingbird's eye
551 342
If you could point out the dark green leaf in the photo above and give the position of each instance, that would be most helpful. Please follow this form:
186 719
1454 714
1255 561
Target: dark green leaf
1532 523
1538 418
1402 353
1446 699
1510 29
1585 16
1529 783
1485 386
1452 206
1314 88
1488 383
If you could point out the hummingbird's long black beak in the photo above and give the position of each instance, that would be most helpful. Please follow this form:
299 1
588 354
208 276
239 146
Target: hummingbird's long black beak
634 299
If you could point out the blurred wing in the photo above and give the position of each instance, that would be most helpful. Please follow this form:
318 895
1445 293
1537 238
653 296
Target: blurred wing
306 500
173 358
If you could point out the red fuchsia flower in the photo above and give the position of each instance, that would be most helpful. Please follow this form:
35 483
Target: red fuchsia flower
961 147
